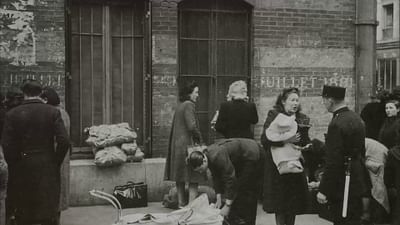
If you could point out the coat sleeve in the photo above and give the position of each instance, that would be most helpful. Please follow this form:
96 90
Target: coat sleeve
225 181
389 175
254 114
334 162
61 137
222 120
192 123
9 142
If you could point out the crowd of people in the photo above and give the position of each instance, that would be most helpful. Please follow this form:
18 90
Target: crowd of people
34 161
351 175
354 175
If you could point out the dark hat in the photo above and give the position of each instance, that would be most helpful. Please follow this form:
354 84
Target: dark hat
31 87
333 92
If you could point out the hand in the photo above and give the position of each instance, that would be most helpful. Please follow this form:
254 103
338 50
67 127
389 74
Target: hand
321 198
218 204
294 139
225 211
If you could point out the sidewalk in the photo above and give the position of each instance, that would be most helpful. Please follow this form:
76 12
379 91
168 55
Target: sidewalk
105 215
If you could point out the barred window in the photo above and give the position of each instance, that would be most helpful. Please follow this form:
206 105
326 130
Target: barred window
214 50
387 77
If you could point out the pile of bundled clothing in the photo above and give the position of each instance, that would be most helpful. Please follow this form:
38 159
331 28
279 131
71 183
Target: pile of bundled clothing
114 144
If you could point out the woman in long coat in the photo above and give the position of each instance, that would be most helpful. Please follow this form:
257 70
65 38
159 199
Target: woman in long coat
286 194
184 132
236 116
50 96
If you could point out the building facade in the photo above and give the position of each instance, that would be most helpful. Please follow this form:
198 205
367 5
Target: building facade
121 61
388 47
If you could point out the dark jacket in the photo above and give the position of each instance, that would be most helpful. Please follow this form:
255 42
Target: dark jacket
235 119
390 132
34 163
236 168
373 115
345 137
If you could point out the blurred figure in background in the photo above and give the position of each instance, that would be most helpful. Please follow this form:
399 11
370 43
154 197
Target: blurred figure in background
373 114
388 134
14 97
50 96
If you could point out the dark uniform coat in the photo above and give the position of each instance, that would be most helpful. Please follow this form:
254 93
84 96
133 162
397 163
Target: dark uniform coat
345 137
236 166
185 131
235 119
286 193
34 163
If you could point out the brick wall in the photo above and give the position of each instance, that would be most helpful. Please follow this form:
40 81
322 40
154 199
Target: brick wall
305 45
300 43
164 67
32 44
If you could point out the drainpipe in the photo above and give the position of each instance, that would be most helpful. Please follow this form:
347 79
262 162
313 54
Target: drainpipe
365 51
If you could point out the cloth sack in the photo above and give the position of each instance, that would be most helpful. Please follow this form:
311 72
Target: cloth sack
375 159
198 212
110 135
286 158
291 166
137 157
282 128
170 200
110 156
129 148
131 195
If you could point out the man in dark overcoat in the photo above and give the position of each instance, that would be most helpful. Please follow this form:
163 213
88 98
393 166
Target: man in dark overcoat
345 140
236 165
29 135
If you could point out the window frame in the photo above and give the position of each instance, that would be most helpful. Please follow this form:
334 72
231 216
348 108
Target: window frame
383 79
82 152
214 87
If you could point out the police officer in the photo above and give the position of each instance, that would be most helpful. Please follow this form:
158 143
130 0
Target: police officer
236 167
344 150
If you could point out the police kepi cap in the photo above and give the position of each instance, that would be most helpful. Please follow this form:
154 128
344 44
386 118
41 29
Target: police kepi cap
333 92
